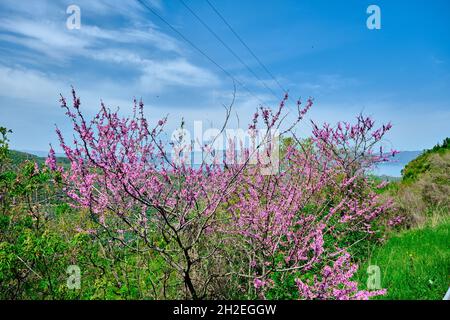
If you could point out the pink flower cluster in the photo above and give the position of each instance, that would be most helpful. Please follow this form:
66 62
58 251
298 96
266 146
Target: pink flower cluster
334 282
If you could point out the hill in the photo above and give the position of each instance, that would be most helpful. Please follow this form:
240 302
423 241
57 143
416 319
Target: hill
18 157
423 163
423 194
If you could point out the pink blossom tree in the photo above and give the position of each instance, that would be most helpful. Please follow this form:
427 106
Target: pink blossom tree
223 222
291 223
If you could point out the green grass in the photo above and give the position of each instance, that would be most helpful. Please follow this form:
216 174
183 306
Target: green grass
414 264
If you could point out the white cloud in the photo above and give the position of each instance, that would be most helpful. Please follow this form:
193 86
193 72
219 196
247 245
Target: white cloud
175 72
147 36
43 36
28 85
157 63
324 83
54 40
116 7
125 46
89 8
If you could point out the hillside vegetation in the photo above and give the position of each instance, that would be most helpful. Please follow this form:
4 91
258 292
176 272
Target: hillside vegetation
423 194
415 261
18 157
424 163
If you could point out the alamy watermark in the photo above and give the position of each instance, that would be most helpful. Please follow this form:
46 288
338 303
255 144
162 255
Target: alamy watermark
74 279
374 278
227 147
74 20
373 22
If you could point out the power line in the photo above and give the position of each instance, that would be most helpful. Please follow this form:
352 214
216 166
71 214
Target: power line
228 47
198 49
245 45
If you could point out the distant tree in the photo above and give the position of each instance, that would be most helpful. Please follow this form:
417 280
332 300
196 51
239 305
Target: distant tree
4 147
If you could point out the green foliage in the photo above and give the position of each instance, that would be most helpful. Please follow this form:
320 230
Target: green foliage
4 151
422 164
284 287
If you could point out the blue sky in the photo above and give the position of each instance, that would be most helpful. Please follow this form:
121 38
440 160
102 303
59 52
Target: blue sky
317 48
